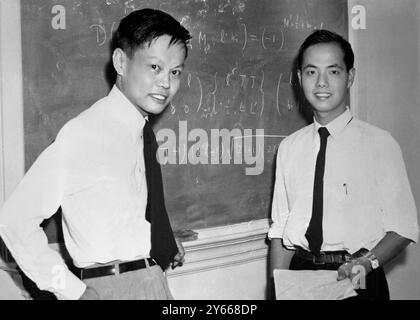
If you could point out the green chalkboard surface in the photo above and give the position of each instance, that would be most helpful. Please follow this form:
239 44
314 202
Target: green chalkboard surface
237 86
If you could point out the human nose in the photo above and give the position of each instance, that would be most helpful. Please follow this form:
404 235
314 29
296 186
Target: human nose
322 80
164 81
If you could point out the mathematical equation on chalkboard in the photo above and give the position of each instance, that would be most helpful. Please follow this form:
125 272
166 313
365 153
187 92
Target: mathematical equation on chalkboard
227 93
243 36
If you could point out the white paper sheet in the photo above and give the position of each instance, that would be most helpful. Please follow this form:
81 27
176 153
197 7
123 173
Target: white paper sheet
311 285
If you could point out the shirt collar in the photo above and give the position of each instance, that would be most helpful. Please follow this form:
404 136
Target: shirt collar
126 112
336 126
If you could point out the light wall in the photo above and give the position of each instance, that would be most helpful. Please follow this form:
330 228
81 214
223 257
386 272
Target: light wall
11 98
387 94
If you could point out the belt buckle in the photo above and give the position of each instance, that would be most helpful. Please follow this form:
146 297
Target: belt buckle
116 269
319 259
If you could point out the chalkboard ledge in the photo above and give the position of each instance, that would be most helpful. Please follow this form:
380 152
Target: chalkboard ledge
225 246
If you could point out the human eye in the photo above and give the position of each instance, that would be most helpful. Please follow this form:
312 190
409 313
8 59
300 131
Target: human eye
335 72
176 73
310 72
155 67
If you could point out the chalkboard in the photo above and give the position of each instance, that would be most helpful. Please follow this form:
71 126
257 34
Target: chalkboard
238 77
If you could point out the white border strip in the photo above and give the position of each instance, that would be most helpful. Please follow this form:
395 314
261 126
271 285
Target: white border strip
12 156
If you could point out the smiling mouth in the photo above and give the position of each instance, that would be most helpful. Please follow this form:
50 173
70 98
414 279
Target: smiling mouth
159 97
323 96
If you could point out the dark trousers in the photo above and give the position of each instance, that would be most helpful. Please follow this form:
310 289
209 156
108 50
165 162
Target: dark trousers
376 284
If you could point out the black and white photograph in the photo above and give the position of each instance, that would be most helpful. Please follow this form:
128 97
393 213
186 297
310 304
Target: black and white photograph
214 154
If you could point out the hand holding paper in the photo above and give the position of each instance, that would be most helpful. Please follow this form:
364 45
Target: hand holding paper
311 285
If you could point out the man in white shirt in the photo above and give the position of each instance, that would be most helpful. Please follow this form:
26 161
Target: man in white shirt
342 199
96 171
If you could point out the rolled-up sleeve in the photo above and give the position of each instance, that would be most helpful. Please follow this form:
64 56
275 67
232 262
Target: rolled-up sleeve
398 206
280 207
37 197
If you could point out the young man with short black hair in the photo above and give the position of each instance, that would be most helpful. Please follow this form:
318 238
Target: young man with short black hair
342 199
102 171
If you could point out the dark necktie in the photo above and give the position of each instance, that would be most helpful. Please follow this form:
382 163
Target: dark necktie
163 245
314 231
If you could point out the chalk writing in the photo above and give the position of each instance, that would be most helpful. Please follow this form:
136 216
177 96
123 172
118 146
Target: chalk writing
299 22
102 33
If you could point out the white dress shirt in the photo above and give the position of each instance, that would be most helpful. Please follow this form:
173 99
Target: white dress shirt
366 188
95 171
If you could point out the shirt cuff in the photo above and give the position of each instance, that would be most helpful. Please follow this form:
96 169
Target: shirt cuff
275 231
66 286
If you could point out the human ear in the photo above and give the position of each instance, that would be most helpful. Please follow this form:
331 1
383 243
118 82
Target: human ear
118 60
299 74
350 80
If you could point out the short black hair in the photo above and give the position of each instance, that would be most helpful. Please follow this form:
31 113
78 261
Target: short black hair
141 27
326 36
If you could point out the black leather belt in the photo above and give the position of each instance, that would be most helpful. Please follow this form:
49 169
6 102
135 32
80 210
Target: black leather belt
325 256
117 268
